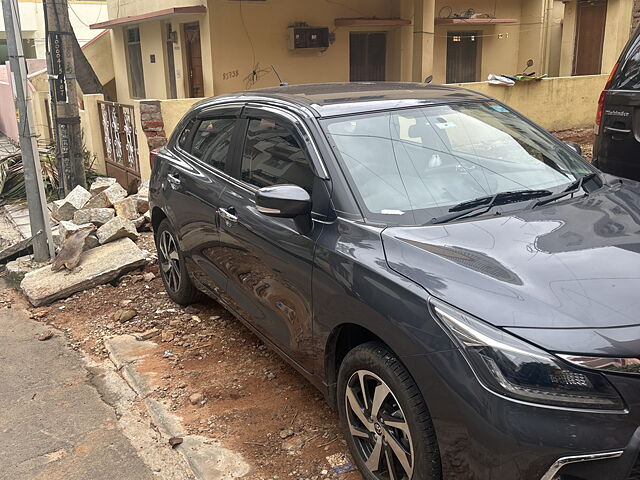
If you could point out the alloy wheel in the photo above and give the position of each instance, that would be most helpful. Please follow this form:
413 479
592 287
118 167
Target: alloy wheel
379 427
169 261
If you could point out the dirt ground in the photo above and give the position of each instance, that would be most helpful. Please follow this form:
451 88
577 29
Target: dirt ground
582 136
253 402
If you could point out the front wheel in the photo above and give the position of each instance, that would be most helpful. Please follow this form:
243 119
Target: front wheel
384 418
172 266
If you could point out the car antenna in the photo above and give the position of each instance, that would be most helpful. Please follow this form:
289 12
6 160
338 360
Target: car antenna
282 84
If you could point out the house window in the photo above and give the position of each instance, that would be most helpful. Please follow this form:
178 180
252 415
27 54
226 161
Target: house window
134 62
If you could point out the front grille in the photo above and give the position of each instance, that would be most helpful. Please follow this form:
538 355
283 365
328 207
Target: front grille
635 472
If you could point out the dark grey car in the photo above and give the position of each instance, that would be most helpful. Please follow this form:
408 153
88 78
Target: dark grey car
459 283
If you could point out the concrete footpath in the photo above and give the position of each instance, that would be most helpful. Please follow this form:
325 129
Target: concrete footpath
59 418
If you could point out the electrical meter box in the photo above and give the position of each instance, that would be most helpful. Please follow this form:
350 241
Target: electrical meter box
308 37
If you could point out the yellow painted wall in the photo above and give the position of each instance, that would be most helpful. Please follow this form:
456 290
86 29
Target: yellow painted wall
120 65
619 15
554 103
266 28
555 38
151 43
173 111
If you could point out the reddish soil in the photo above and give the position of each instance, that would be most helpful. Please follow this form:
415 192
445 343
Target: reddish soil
251 396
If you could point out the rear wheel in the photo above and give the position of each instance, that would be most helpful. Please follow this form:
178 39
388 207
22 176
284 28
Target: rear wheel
384 417
172 266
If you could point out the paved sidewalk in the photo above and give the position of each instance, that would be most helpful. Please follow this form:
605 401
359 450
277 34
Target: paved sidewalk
54 425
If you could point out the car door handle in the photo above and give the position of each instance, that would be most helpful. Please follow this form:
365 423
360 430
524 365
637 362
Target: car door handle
228 216
174 180
617 130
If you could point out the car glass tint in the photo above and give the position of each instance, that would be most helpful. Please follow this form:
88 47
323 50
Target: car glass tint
272 155
212 141
628 78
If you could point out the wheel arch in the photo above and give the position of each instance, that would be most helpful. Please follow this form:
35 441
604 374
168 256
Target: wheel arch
342 339
157 215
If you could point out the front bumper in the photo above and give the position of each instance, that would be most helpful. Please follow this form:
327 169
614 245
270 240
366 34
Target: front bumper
483 436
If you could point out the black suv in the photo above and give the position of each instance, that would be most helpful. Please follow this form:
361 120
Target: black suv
616 148
459 283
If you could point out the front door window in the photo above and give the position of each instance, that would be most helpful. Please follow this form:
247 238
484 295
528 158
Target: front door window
273 155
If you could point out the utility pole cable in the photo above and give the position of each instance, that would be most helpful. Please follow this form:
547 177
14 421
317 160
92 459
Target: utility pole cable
67 115
43 248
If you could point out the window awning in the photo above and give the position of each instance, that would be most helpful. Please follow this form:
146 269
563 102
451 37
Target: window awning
145 17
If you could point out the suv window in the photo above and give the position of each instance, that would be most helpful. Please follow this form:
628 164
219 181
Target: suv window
212 141
628 78
273 155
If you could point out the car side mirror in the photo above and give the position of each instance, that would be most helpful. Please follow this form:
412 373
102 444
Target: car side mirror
575 147
283 201
286 201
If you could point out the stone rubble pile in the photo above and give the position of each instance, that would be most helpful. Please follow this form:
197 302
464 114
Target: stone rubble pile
105 209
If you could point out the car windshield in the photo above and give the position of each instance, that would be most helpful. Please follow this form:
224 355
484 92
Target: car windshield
407 166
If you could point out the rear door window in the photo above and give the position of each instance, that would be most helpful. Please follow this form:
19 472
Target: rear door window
273 155
628 76
212 141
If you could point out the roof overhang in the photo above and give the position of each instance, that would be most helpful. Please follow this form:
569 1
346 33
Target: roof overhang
145 17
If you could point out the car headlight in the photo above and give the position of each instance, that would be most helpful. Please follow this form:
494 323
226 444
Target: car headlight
514 368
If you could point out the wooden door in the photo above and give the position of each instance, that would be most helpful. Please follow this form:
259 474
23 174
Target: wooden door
367 57
462 57
193 51
591 18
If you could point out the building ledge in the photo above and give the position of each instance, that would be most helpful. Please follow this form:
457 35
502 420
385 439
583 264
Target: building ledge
366 22
473 21
157 15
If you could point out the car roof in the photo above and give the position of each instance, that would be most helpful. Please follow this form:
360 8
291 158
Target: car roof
333 99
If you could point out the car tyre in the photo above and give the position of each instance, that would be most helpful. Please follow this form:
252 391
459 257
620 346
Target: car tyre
384 417
173 268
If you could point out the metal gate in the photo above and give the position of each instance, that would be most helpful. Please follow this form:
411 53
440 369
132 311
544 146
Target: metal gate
120 143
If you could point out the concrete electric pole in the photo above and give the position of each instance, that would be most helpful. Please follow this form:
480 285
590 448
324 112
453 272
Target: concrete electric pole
43 247
60 38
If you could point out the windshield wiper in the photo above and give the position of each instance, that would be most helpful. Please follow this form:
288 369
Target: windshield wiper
487 203
573 187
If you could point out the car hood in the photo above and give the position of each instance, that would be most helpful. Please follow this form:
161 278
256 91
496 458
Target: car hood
573 264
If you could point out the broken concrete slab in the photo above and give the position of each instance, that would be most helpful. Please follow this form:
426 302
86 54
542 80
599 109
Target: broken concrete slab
127 208
140 222
18 268
100 184
67 228
97 216
99 265
118 227
54 208
77 199
17 247
107 197
143 189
